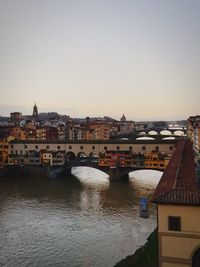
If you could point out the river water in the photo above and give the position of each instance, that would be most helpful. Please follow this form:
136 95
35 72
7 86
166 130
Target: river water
69 221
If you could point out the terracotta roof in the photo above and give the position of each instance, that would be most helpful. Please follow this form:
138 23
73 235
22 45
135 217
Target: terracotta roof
178 184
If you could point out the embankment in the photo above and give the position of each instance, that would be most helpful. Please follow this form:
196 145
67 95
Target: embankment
146 256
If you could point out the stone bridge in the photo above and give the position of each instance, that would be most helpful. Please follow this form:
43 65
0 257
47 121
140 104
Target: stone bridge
115 174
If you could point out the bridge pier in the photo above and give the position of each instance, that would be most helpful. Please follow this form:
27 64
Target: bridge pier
116 174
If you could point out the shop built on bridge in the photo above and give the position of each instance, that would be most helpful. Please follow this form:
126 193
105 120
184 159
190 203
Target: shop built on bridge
117 158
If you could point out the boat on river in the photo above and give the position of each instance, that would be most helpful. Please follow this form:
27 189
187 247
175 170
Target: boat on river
143 207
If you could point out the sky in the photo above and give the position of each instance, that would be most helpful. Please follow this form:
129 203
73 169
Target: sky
101 58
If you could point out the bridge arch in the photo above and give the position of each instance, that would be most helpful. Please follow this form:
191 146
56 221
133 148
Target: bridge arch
145 138
146 176
82 154
70 156
152 132
93 157
165 132
178 133
82 157
93 154
90 175
142 133
168 138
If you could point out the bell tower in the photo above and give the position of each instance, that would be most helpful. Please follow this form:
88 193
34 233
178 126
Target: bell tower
35 112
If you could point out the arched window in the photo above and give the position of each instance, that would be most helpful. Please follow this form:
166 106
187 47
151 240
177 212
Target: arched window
196 258
70 156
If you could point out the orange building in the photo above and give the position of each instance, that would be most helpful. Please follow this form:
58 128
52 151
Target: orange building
18 133
156 160
99 131
4 150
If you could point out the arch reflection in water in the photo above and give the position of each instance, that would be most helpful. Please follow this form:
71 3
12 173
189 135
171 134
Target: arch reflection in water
94 182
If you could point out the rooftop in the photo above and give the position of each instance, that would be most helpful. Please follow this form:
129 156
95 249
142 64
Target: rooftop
178 184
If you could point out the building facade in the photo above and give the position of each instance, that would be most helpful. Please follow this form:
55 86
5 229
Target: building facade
178 205
193 132
19 150
15 116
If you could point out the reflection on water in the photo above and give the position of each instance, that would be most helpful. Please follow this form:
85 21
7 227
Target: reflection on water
67 222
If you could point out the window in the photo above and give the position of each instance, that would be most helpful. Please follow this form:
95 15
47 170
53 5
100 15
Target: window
118 147
105 147
70 147
58 147
157 148
171 148
47 147
130 148
36 147
81 147
143 148
11 146
25 146
93 147
174 223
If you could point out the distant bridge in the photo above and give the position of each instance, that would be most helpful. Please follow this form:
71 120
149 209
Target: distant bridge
154 133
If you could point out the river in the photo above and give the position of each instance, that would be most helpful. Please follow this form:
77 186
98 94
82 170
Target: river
69 221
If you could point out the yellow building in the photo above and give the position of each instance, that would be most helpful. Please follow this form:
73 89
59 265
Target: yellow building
4 150
99 131
41 133
18 133
178 203
156 160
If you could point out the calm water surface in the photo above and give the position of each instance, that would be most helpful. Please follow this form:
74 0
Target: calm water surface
64 222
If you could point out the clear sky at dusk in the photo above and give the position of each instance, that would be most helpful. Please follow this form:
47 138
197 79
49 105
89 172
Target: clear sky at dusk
95 58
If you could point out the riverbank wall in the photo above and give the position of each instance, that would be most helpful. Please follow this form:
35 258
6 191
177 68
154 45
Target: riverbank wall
146 256
45 171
